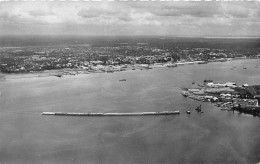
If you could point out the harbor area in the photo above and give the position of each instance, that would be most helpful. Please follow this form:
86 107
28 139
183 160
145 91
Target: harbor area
227 96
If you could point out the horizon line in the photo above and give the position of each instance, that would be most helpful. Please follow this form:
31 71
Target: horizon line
162 36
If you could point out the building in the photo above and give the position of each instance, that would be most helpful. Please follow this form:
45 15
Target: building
254 90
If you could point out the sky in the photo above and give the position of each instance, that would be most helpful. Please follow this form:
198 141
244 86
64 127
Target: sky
219 18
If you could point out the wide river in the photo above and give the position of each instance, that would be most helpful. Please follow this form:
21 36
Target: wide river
212 137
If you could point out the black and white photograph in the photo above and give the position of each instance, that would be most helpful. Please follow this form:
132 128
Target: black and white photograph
129 82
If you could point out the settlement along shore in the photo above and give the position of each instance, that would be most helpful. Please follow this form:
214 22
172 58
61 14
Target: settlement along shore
109 69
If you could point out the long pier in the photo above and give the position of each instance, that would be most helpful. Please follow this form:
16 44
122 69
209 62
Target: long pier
111 114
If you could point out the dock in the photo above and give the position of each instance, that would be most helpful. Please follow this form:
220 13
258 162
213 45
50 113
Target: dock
112 114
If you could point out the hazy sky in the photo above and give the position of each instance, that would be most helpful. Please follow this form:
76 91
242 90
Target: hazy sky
131 18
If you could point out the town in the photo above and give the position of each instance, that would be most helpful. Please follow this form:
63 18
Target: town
119 57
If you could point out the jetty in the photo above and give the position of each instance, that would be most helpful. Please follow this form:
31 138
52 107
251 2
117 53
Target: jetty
112 114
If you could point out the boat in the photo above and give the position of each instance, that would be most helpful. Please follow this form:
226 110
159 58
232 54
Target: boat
224 108
189 62
198 109
201 85
145 66
180 63
58 75
208 81
171 65
185 93
158 65
122 80
202 62
188 112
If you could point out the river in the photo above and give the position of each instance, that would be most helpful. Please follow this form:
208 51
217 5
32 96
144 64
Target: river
212 137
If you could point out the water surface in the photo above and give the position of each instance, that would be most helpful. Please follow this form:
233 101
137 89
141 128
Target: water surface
212 137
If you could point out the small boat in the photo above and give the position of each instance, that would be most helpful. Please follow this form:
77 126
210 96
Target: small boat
198 109
180 64
208 81
58 75
202 62
224 108
172 65
185 93
122 80
188 112
201 85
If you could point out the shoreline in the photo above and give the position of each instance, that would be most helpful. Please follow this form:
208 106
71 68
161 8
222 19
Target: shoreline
73 72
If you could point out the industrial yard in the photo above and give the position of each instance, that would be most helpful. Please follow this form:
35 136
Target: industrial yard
227 96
